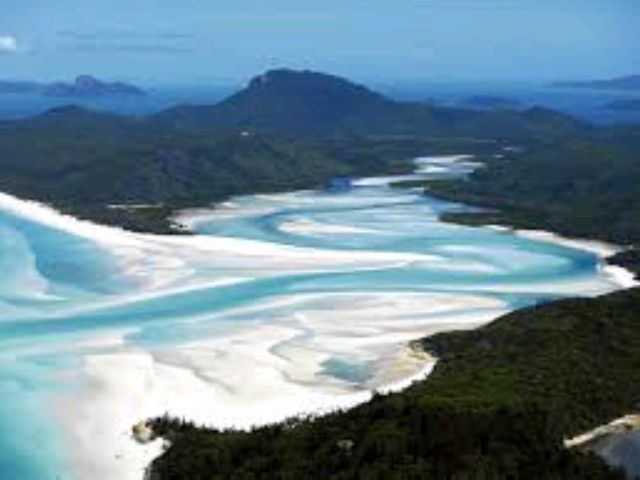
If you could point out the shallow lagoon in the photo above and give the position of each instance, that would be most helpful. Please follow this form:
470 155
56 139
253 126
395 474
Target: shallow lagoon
282 304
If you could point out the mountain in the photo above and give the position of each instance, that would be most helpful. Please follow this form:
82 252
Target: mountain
629 82
312 103
286 100
88 86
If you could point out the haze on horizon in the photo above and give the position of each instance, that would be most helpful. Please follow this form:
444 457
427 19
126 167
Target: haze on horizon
197 42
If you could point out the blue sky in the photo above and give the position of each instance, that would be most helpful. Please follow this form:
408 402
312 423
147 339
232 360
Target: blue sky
198 41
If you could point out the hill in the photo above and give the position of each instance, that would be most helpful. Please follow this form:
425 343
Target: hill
497 405
285 100
82 162
312 103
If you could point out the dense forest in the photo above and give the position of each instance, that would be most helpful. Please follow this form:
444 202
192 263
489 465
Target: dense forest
498 405
84 162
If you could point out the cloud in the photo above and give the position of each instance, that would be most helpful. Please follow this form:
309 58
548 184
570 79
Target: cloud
8 44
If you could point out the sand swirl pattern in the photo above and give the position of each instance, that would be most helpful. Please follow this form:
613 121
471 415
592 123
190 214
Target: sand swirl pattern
278 305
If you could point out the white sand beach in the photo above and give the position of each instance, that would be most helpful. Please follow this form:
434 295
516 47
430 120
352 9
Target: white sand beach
307 350
254 375
619 275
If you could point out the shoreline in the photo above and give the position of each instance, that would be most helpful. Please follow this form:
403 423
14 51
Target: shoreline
623 277
475 368
133 386
622 425
139 369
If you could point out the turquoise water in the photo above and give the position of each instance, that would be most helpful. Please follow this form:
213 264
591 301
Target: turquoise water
621 451
60 288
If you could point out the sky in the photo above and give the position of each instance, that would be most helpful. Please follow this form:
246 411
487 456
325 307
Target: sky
218 41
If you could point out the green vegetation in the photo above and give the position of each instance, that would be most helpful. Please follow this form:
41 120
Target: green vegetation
579 186
286 130
311 104
498 405
82 162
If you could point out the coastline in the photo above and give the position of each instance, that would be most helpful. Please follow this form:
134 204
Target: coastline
127 387
622 425
603 250
483 386
121 383
423 361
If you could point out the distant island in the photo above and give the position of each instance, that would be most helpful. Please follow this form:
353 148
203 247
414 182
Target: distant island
628 82
12 87
490 102
83 86
88 86
626 105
